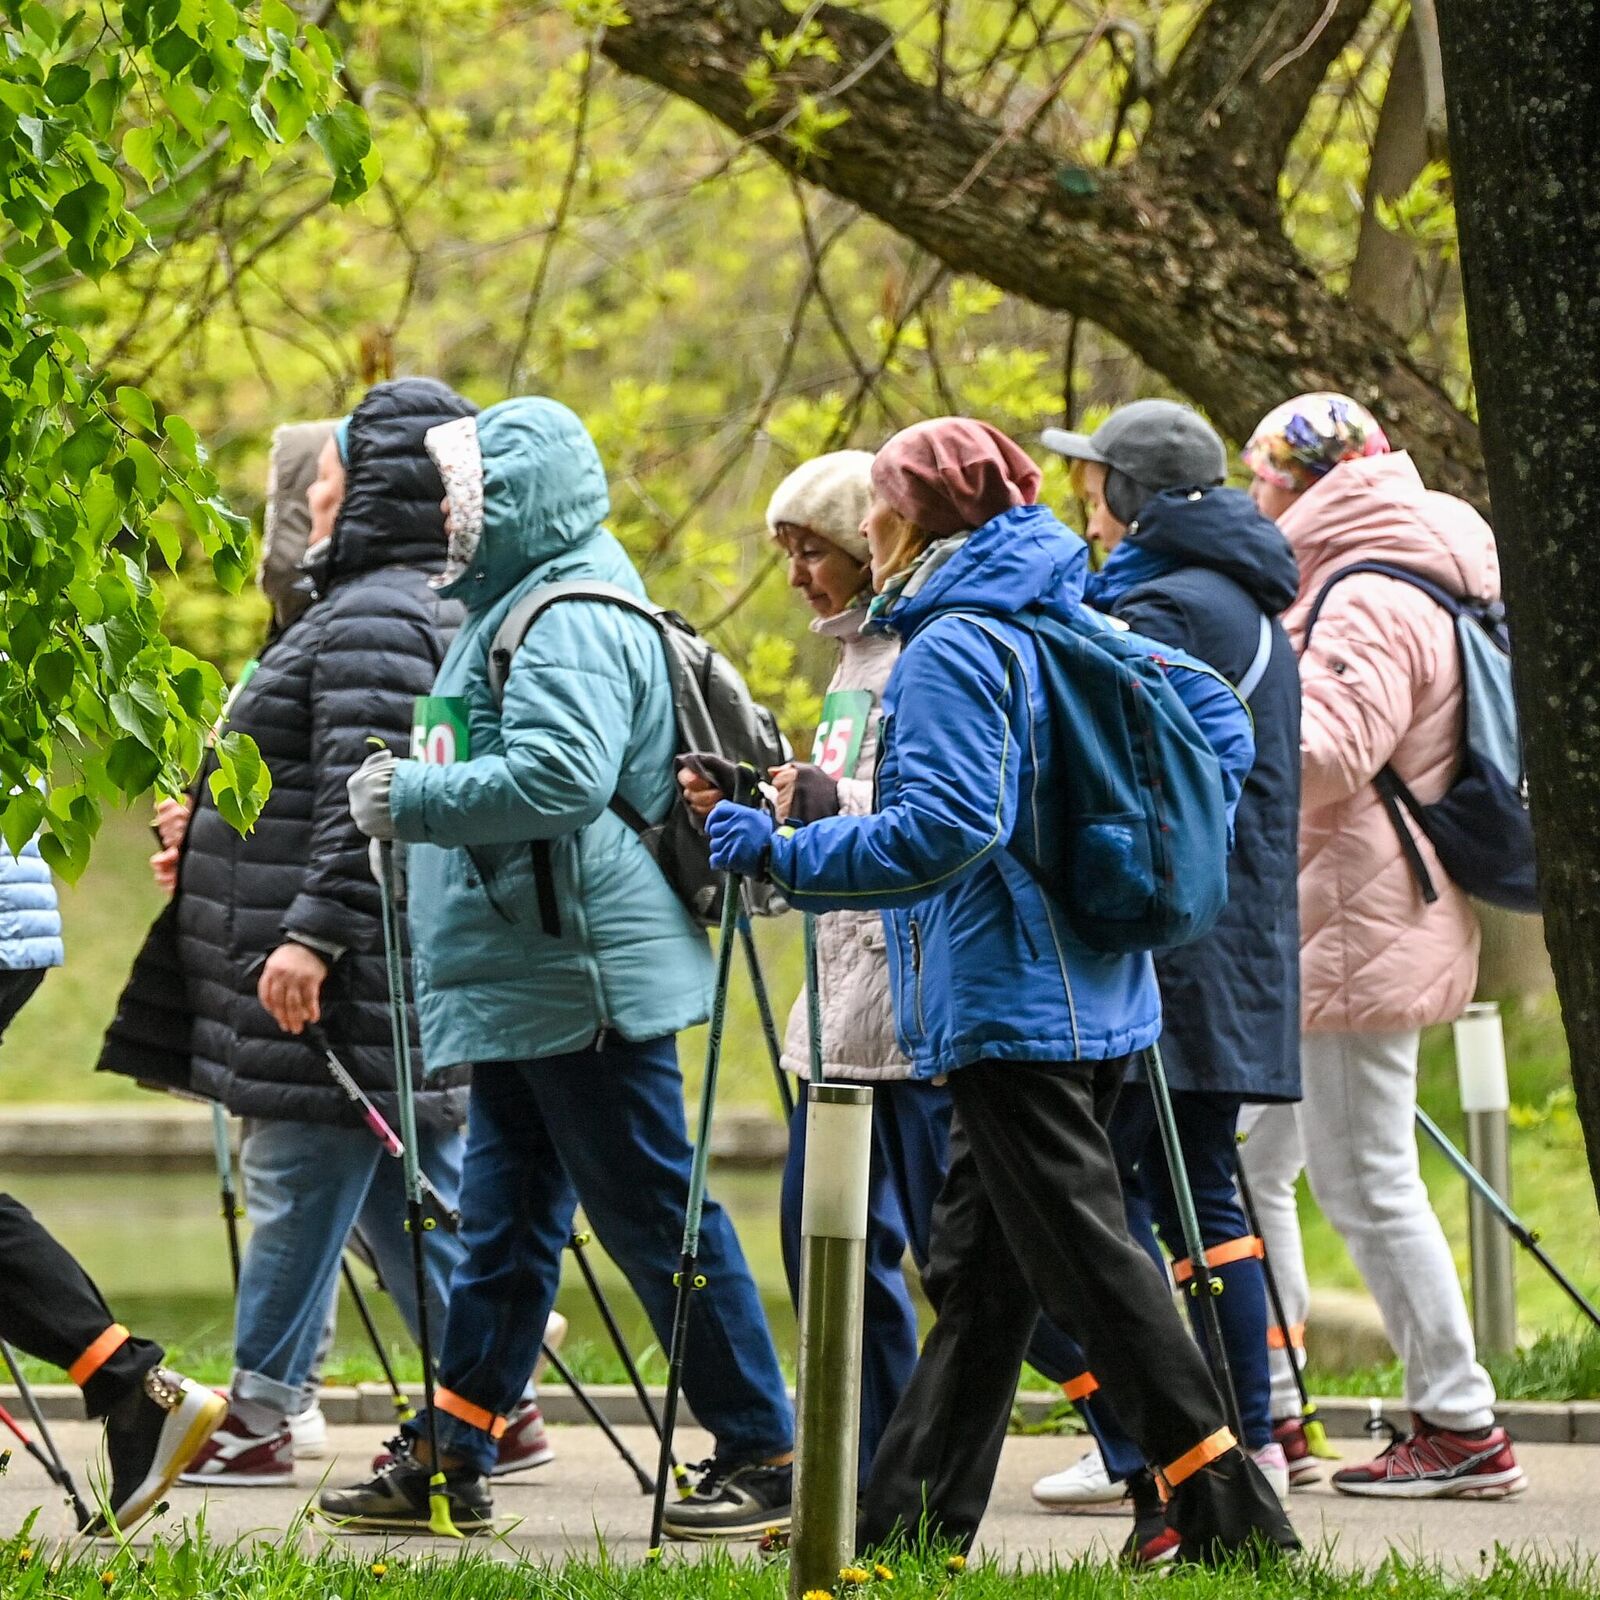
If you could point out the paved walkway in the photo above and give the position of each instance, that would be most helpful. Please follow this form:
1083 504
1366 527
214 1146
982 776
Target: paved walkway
560 1508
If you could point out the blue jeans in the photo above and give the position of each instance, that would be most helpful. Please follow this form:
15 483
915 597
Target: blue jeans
305 1187
605 1127
1206 1129
910 1145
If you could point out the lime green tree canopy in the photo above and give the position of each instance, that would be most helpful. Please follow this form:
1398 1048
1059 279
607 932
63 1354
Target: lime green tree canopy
103 110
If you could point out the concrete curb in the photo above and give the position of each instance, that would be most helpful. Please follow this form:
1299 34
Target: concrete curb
370 1404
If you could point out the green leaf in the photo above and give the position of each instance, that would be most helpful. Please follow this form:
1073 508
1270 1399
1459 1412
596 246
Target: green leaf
132 766
344 137
241 783
87 448
136 403
20 821
141 711
102 508
52 675
141 149
183 438
66 83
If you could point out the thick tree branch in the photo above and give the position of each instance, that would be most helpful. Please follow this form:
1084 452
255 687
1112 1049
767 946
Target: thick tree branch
1241 87
1224 309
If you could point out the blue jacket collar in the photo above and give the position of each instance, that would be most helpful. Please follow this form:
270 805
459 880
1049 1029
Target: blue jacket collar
1022 558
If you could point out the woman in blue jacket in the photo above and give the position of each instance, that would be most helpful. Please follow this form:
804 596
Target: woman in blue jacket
1034 1030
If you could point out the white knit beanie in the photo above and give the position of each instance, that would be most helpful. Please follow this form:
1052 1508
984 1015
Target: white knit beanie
829 495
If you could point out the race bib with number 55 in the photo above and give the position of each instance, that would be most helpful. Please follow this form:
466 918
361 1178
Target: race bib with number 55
439 733
845 715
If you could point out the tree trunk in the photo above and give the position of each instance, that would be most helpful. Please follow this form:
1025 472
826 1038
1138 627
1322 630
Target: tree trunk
1524 106
1209 295
1514 964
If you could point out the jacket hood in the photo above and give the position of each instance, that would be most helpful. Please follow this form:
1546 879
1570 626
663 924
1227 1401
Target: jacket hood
286 526
1221 529
1024 557
1378 509
527 485
391 511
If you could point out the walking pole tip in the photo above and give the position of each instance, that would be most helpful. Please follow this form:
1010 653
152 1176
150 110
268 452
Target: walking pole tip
439 1522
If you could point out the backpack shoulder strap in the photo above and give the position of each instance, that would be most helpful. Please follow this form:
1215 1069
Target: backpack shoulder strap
515 625
1251 681
1383 569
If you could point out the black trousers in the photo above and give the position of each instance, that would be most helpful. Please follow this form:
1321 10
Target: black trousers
49 1306
1031 1216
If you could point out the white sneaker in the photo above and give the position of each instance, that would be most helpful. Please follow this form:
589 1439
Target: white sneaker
1082 1487
309 1431
1274 1465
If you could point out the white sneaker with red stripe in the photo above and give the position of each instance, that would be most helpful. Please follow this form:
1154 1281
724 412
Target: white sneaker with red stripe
244 1460
1431 1463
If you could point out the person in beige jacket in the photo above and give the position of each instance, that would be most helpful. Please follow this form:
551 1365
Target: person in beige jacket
1381 686
815 515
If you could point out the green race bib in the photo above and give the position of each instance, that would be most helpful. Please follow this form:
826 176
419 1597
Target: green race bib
439 731
845 715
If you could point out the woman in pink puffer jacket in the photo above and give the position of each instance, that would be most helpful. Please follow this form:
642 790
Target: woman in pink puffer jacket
1381 684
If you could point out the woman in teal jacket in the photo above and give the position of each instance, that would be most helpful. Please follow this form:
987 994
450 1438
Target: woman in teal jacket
551 955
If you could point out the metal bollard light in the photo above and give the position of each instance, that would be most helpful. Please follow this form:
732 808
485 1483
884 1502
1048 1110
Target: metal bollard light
1486 1098
833 1245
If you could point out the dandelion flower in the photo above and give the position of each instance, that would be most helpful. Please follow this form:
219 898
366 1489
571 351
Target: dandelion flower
379 1570
882 1573
816 1594
107 1578
956 1564
854 1575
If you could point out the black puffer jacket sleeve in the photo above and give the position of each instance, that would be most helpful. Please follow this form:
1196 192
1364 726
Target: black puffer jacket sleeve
377 650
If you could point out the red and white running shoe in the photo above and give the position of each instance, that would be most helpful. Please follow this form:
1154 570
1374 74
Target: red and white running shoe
1303 1468
1433 1463
244 1460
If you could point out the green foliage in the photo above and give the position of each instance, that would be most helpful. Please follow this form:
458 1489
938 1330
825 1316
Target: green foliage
1425 213
102 111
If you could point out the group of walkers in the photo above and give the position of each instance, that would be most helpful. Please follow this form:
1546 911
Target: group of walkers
1016 1149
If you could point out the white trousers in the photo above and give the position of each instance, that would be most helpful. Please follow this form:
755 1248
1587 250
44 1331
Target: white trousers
1355 1136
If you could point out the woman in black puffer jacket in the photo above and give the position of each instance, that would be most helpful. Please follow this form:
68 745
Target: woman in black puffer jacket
280 927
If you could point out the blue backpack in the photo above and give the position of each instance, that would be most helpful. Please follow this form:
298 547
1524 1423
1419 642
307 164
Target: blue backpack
1135 847
1480 830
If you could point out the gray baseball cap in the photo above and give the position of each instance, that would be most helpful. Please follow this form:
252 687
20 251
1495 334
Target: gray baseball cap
1158 444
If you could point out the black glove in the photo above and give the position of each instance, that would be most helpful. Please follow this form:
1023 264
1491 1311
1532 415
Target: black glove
816 795
718 771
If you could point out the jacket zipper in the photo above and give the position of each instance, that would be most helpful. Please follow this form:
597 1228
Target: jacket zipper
916 975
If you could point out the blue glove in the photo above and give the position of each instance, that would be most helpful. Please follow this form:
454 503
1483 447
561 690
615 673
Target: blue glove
741 837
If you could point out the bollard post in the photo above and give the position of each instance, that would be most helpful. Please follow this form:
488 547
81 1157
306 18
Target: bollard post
833 1246
1486 1099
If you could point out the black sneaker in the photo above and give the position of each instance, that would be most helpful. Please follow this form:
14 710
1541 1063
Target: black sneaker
152 1434
396 1499
1153 1540
733 1500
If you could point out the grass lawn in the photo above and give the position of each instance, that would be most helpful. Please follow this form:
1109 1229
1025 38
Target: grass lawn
189 1568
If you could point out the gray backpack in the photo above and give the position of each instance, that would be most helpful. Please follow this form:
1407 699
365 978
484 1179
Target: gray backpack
715 713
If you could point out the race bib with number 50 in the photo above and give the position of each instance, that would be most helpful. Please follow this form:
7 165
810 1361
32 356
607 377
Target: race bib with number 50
845 715
439 733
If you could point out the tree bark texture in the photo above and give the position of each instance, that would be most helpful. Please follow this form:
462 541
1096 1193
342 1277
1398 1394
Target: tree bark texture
1524 107
1192 274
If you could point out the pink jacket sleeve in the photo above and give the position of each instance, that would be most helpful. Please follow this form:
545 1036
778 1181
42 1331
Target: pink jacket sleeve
1358 696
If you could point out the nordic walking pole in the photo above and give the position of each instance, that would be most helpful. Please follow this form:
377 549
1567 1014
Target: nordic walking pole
403 1409
231 1209
813 998
602 1304
448 1217
50 1471
56 1467
647 1484
438 1496
1527 1237
1316 1433
689 1279
1201 1285
769 1026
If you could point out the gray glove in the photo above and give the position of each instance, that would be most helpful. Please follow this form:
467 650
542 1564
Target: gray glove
368 787
375 867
